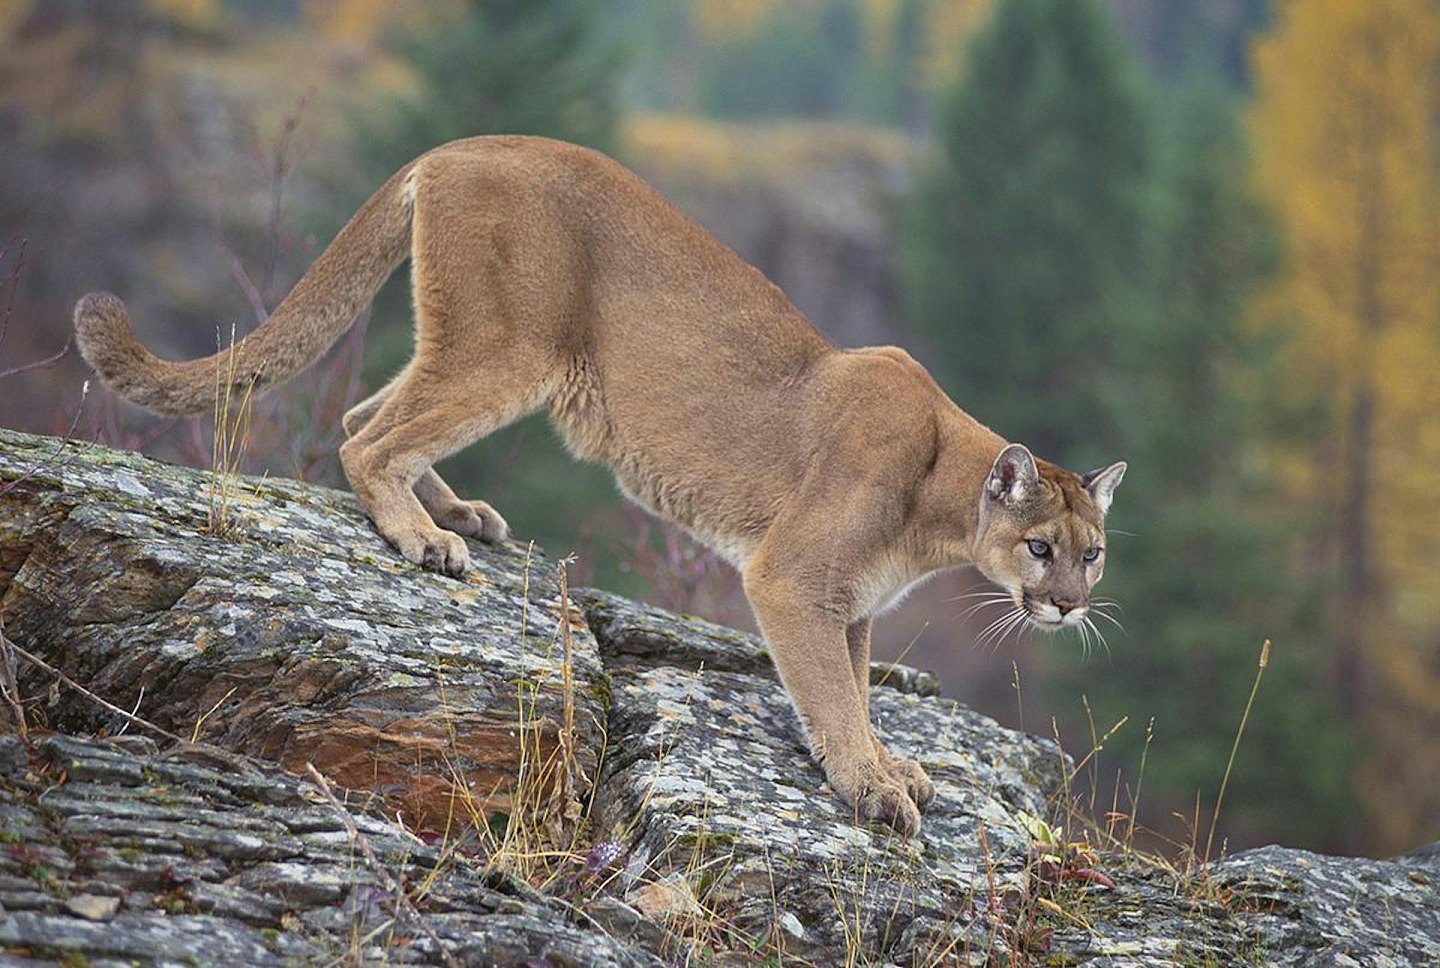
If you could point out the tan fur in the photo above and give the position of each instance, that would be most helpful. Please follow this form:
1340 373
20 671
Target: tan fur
547 276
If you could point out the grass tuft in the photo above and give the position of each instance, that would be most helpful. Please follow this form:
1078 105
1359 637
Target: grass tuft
230 441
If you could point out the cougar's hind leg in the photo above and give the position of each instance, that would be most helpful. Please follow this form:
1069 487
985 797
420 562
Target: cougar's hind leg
428 415
473 519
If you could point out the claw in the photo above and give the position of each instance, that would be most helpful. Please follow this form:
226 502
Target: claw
890 804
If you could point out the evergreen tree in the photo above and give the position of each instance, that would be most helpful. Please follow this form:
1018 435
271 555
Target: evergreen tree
542 67
801 62
1027 240
1081 272
1210 574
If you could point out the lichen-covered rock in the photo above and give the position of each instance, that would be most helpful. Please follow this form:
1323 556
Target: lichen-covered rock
298 636
708 775
635 636
705 829
1307 909
187 864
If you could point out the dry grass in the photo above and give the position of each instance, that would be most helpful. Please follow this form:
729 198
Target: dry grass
230 441
1185 861
535 838
1235 747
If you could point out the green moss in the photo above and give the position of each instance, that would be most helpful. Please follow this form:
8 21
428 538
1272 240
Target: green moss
602 690
705 843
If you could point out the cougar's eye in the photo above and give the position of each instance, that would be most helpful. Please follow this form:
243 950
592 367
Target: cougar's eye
1038 548
1092 554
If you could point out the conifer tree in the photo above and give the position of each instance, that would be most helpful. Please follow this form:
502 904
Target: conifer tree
1082 270
1027 239
540 67
1210 573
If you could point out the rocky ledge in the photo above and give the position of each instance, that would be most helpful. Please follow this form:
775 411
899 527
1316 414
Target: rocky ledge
509 771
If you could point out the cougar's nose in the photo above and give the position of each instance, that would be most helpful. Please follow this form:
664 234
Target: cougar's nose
1066 605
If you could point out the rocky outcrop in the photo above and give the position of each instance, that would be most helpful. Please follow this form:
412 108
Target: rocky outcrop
523 772
119 853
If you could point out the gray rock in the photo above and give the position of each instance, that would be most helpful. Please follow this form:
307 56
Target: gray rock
300 637
297 637
188 867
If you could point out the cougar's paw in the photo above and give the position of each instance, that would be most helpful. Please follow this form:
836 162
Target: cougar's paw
885 801
437 550
914 779
474 519
493 528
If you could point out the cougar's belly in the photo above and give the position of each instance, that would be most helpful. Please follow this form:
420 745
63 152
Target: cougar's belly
706 514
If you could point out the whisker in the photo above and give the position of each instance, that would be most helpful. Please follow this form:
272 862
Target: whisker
1096 629
1109 618
983 593
1086 645
1003 632
1107 603
975 608
996 632
1016 618
985 632
1128 534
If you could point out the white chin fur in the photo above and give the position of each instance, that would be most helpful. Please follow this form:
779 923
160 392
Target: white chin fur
1049 617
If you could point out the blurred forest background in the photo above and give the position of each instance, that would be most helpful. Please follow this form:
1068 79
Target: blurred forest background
1198 235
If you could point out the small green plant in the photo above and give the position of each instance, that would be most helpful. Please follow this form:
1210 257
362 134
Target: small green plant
1056 859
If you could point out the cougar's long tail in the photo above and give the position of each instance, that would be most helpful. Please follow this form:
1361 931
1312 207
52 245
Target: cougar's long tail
315 314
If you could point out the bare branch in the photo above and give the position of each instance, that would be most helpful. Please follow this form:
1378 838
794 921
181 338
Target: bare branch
69 683
242 278
60 446
39 364
10 688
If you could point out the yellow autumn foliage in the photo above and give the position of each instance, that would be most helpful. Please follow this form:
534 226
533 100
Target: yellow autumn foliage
948 26
195 14
1344 133
364 23
729 152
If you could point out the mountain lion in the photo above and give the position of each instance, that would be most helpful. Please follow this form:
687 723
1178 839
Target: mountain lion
546 275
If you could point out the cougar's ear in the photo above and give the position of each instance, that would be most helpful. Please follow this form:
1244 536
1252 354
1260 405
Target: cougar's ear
1013 477
1101 484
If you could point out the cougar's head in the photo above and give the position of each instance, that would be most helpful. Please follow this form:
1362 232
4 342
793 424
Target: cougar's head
1042 534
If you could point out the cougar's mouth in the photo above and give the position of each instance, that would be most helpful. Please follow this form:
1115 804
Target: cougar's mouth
1043 615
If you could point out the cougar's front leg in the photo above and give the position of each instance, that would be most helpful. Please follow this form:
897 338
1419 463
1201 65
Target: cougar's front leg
907 773
808 644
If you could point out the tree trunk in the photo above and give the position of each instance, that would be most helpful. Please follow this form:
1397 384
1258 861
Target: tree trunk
1357 579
